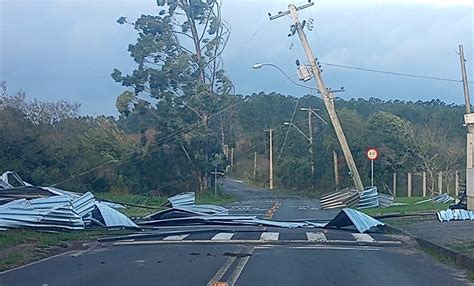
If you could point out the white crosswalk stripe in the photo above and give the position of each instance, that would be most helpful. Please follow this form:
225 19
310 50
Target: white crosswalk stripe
176 237
364 237
269 236
223 236
316 236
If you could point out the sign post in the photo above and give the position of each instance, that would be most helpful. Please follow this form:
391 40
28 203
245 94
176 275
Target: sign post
372 154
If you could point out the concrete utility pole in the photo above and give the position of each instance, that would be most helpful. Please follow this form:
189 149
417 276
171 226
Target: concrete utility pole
326 94
336 169
271 157
469 121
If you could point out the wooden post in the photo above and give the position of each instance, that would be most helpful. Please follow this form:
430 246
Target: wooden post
394 185
409 185
255 166
456 184
424 184
440 182
232 157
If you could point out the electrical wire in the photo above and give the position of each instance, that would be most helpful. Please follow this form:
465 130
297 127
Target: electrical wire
393 73
288 130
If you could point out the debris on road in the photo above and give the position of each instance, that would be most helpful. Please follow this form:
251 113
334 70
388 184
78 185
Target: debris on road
349 198
47 208
369 198
190 214
340 199
385 200
351 217
457 214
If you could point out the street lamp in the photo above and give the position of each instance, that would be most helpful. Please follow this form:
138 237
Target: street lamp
297 128
314 112
260 65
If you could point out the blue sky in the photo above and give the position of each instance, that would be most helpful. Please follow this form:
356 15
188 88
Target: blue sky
67 49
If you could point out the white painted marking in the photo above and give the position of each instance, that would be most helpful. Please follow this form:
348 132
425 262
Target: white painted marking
363 237
239 268
365 248
267 236
223 236
316 236
176 237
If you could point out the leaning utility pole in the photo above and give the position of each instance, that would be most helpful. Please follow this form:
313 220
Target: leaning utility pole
469 121
271 157
326 94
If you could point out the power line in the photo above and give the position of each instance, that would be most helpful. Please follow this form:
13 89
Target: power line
393 73
288 130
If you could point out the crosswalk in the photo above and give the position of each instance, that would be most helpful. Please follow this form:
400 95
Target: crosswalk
314 237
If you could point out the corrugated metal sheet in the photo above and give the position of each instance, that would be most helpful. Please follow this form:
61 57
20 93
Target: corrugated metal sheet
359 220
54 212
13 179
369 198
458 214
443 199
114 218
385 200
183 199
340 199
84 204
60 212
4 185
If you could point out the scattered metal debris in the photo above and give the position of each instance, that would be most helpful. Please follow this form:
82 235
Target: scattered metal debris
359 220
369 198
385 200
443 199
23 205
184 199
340 199
61 213
188 214
457 214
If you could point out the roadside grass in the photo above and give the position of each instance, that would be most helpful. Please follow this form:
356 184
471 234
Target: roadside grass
208 198
445 260
409 208
18 247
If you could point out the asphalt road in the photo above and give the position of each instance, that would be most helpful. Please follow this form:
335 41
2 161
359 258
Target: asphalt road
247 255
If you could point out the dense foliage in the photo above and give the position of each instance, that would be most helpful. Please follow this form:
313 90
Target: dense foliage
180 119
136 153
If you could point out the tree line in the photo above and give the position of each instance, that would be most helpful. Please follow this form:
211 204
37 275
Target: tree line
179 115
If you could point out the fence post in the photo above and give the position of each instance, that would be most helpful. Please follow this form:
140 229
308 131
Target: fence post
409 184
394 185
440 182
456 184
424 184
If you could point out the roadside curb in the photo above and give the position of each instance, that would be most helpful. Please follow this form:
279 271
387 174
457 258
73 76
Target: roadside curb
457 257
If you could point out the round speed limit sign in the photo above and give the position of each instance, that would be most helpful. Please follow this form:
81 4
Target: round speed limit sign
372 154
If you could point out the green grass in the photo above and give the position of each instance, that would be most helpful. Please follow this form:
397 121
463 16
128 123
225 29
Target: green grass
18 247
411 207
208 198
